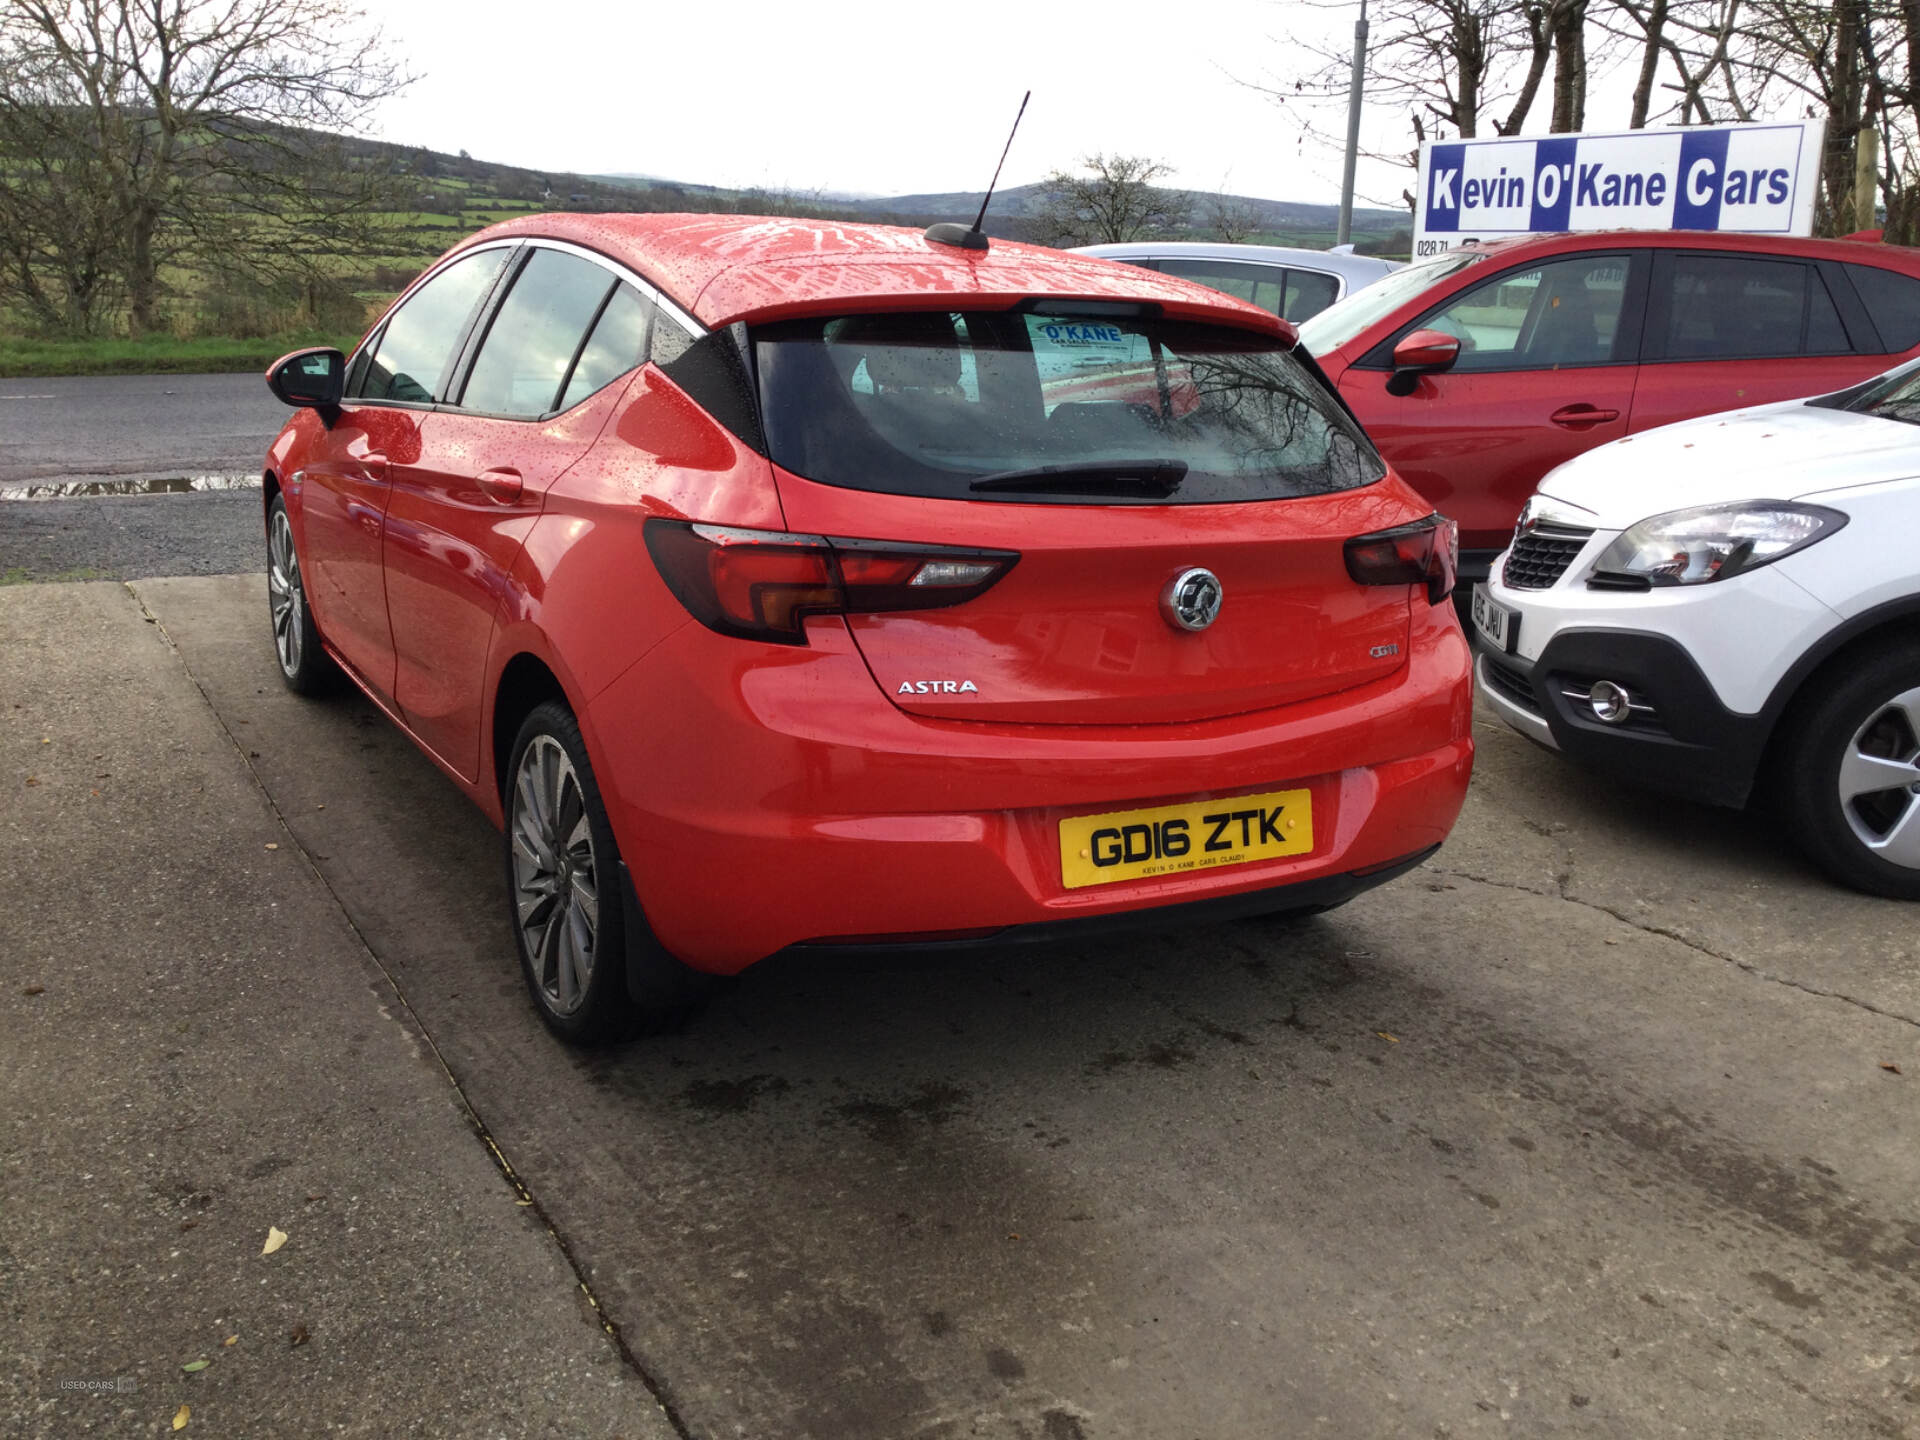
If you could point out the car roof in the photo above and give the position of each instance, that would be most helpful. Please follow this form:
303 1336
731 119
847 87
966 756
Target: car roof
1860 252
723 268
1353 267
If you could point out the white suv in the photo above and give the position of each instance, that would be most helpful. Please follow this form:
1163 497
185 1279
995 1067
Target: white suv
1732 605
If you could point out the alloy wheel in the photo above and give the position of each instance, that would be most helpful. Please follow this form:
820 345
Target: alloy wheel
285 595
556 899
1880 781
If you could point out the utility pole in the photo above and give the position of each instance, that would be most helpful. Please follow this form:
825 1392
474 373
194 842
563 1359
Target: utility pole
1866 176
1345 232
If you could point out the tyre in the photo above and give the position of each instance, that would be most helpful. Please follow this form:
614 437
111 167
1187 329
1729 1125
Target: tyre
592 965
304 665
1852 782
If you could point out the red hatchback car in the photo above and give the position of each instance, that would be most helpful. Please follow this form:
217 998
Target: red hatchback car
1479 372
780 584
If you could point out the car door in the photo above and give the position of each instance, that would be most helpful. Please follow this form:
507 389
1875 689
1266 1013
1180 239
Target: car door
345 486
1546 370
529 402
1725 331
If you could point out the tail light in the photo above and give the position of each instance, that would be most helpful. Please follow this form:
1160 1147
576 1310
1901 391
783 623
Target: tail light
1427 552
762 584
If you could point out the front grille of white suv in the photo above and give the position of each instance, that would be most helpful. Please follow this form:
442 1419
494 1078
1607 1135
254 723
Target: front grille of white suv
1542 555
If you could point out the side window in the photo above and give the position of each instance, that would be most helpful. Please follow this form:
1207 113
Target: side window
1563 313
535 335
1893 300
418 342
1262 285
1825 334
617 344
1732 307
1308 293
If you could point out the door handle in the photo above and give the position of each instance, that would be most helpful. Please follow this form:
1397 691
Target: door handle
503 487
1583 416
375 462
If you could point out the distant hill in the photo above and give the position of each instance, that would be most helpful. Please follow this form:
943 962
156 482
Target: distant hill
451 193
1277 221
1025 200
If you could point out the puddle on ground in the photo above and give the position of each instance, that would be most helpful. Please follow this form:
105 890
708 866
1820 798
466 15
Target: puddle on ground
174 485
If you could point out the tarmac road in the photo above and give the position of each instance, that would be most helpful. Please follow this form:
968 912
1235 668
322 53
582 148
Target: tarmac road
134 427
1585 1129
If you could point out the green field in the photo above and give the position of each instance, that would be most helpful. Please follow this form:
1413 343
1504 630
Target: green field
216 327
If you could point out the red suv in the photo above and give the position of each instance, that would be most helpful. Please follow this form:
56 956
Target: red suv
1479 372
783 584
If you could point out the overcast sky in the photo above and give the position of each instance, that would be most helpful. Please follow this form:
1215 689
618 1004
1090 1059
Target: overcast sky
881 96
877 96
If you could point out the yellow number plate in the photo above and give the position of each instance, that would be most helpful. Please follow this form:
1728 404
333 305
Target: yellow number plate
1175 839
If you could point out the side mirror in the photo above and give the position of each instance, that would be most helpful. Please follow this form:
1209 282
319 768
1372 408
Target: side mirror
1424 352
311 378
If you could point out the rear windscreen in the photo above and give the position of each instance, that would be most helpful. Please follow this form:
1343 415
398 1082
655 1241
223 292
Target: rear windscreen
927 403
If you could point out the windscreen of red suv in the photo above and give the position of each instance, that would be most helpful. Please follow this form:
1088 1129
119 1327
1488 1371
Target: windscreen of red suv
1337 324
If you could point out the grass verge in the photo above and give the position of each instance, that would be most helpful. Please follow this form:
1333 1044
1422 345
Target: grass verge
20 575
153 354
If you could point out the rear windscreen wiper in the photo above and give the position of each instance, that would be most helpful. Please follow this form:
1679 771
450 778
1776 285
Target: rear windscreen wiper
1156 478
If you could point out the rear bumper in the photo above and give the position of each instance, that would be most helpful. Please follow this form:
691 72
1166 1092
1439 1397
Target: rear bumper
1320 893
766 800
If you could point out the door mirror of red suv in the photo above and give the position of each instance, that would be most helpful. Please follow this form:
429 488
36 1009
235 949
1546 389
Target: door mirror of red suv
1424 352
311 378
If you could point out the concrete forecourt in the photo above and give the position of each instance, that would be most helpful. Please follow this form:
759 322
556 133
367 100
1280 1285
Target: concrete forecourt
1600 1123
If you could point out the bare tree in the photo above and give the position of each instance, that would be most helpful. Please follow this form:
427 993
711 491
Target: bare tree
1457 68
1115 200
1466 68
1697 41
1567 23
791 200
1539 40
1848 62
1461 65
192 121
1233 219
60 238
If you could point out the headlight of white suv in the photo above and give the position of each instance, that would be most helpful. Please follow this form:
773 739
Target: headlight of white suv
1711 542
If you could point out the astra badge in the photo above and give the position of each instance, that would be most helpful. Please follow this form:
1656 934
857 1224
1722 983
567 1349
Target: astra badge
1192 599
938 687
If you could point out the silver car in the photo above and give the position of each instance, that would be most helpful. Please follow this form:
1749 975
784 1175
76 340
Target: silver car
1293 284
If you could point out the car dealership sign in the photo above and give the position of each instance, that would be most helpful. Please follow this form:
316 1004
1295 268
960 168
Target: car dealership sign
1757 179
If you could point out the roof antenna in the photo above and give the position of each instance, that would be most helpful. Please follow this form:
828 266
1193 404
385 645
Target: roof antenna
952 232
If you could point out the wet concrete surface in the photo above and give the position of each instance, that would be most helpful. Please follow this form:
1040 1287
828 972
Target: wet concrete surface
1586 1128
199 1052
